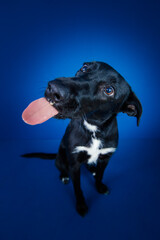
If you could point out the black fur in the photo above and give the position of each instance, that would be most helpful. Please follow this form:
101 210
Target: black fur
85 98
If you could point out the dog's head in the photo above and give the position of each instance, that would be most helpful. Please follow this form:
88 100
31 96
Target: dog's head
96 92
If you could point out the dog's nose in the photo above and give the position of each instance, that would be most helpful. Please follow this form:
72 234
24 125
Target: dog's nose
56 91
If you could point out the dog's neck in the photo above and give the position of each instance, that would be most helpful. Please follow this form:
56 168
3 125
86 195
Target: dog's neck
99 124
95 127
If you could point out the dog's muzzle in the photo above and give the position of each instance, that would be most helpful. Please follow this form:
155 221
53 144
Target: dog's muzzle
55 92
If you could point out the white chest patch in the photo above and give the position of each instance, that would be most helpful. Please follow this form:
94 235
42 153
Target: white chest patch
95 148
90 127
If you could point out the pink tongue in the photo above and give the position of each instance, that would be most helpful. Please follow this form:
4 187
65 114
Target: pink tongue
38 112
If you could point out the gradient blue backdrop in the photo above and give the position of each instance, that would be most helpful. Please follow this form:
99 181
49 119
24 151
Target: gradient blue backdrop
42 40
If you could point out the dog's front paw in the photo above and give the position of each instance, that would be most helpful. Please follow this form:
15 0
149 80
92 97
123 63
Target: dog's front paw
82 209
102 188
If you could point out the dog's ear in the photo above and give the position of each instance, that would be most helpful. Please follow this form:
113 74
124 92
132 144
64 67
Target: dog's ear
132 107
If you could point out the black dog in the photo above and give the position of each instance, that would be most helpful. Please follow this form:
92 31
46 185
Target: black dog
92 99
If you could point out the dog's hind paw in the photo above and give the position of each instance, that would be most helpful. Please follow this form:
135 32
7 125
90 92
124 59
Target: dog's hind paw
102 188
64 180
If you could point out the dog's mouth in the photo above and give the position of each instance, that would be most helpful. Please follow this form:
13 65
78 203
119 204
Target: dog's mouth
39 111
58 115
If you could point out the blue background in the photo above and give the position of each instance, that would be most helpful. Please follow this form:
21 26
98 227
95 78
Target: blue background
47 39
42 40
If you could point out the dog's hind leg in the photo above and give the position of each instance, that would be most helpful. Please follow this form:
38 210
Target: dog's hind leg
62 164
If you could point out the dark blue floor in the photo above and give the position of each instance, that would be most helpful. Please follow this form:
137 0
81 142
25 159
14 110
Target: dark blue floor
36 205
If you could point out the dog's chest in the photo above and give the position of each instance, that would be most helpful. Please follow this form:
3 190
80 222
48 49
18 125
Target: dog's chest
95 147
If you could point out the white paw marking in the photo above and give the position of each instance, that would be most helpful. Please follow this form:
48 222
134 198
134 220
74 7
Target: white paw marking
64 179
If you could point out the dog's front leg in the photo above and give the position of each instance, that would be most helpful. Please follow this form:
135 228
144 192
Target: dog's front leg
80 201
101 165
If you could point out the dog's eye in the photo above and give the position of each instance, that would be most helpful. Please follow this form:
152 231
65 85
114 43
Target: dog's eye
109 91
84 68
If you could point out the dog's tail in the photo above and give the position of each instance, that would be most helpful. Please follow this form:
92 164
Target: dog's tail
49 156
